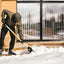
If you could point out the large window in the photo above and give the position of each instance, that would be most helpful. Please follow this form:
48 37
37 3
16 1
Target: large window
30 20
53 20
42 19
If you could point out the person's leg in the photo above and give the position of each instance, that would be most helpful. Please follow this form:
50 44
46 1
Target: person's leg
12 42
4 30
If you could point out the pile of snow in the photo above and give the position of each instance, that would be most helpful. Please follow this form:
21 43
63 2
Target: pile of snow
41 55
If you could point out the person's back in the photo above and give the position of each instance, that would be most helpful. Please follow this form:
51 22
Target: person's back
10 17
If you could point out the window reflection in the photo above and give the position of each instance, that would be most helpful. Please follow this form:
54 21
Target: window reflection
53 21
30 20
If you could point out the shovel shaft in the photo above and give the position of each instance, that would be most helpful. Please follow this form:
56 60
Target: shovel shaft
16 36
13 33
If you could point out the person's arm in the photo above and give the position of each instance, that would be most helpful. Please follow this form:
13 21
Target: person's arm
4 12
19 26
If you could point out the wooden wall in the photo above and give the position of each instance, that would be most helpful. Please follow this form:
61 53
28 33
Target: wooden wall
0 15
10 5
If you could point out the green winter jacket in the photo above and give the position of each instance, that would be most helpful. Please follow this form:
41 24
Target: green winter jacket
9 22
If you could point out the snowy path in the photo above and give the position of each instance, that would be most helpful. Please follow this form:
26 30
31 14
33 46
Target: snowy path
42 55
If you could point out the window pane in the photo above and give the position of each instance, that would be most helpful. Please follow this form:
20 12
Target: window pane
53 0
53 21
28 0
30 19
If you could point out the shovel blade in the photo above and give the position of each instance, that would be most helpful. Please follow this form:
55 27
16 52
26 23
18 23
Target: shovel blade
30 49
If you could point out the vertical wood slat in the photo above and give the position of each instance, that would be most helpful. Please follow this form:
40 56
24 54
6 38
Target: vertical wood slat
0 15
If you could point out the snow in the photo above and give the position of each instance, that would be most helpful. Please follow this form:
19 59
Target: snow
41 55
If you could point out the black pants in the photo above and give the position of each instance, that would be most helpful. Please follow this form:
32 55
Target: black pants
4 30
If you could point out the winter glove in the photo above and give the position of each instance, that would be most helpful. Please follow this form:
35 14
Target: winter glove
30 49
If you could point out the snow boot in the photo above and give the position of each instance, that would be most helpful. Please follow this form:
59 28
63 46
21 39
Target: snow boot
0 52
11 53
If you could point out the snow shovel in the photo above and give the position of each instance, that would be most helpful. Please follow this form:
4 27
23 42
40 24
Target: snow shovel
27 46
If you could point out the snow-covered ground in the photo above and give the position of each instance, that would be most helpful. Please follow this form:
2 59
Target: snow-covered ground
41 55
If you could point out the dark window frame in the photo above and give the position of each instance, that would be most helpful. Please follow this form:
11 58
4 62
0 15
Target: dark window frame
41 16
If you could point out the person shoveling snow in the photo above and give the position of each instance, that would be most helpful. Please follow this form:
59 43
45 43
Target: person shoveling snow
9 23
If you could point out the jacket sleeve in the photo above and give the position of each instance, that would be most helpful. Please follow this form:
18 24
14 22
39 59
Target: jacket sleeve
19 26
4 12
